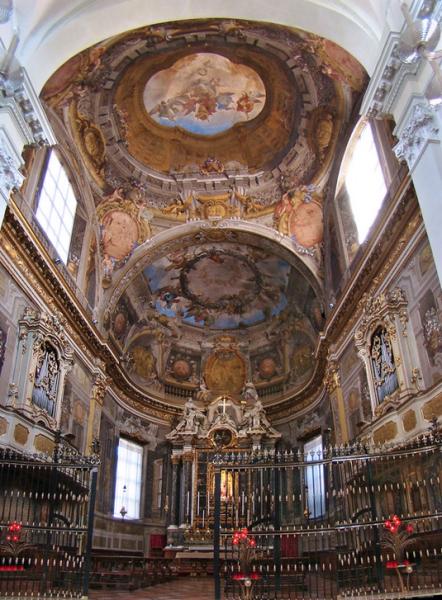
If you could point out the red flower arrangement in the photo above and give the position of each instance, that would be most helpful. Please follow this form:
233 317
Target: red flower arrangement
13 534
246 549
397 539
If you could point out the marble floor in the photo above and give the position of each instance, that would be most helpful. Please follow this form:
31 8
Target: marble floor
195 588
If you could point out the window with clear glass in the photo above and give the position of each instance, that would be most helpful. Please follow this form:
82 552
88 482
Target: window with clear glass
365 182
56 207
128 480
314 479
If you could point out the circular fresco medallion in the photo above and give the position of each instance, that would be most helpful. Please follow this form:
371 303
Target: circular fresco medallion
205 94
225 372
143 362
306 224
119 234
181 369
120 323
267 368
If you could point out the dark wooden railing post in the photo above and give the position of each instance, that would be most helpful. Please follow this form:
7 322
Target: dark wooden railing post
216 536
90 530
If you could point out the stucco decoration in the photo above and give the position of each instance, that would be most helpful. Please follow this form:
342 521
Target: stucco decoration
224 422
43 359
124 224
421 127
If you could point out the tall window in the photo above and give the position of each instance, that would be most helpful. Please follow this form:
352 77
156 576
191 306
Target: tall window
128 480
56 207
314 479
365 181
158 482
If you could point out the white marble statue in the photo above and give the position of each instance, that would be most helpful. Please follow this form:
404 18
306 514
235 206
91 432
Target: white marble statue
193 419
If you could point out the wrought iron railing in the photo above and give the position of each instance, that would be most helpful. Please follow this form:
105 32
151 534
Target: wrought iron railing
351 522
46 517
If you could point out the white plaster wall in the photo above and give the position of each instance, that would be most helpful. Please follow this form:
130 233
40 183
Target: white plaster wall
51 31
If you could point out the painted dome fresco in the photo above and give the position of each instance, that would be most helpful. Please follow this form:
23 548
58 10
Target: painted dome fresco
209 149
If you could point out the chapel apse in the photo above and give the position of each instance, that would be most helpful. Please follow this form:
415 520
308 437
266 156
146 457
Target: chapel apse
209 147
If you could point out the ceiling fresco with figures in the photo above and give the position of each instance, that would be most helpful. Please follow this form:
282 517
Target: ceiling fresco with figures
220 287
204 93
209 147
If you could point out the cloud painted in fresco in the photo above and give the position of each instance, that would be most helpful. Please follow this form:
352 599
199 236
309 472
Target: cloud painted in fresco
205 94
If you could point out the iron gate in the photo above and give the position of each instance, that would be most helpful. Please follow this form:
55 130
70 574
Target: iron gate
352 522
46 520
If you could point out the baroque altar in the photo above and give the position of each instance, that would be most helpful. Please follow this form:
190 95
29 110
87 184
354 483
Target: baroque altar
212 425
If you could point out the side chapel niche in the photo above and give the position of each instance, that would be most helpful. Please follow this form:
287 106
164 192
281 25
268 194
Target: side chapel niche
388 354
43 359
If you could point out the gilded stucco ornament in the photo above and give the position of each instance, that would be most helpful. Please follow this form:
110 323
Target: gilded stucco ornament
90 143
379 307
332 379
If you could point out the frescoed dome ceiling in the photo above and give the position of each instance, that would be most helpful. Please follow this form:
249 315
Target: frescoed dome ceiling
209 147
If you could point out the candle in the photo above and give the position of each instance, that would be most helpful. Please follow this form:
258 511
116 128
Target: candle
208 504
188 503
198 504
242 503
203 517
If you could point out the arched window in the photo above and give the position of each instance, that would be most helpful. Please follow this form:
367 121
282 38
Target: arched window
57 206
364 179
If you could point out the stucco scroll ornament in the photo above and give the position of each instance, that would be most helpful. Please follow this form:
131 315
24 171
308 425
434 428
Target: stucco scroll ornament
332 379
421 127
99 388
10 176
134 427
383 306
432 333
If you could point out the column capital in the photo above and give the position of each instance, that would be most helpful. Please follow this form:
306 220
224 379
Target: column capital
419 126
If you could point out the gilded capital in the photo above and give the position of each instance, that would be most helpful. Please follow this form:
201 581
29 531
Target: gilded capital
332 379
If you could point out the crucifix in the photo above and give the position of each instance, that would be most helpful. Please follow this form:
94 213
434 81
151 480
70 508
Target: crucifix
224 405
